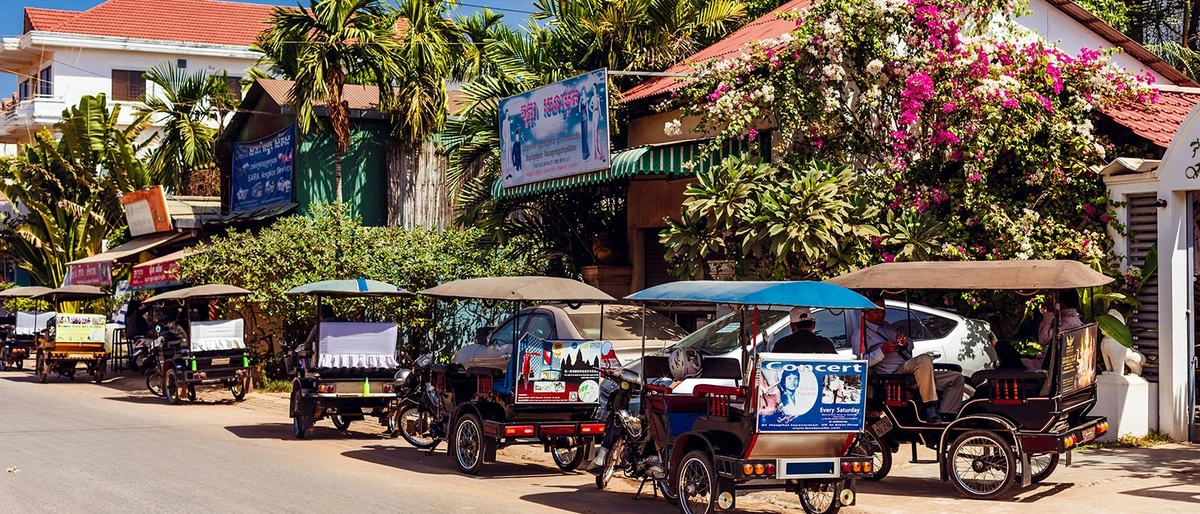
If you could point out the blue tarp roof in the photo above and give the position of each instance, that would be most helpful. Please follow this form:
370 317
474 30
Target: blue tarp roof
800 293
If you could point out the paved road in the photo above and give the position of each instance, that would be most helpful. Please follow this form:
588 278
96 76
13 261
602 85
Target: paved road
79 447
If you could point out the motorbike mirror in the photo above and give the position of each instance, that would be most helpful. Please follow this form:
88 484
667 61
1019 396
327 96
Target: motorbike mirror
481 335
158 328
606 348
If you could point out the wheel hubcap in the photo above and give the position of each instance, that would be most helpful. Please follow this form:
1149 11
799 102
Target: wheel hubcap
468 445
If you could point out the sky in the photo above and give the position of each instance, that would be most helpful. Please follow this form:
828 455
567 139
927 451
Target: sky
12 18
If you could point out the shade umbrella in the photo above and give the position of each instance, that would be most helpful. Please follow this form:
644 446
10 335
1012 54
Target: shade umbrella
24 292
73 293
204 292
349 288
1004 275
521 289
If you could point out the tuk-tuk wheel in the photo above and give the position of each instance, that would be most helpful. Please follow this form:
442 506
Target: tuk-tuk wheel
4 363
340 423
697 483
191 392
817 497
41 367
238 389
571 457
868 445
301 418
154 383
171 388
468 444
20 363
981 464
1042 465
98 376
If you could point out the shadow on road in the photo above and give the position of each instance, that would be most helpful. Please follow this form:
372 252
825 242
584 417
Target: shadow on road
584 499
283 432
418 461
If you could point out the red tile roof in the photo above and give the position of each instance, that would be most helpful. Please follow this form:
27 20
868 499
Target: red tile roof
191 21
768 26
771 26
357 97
1159 122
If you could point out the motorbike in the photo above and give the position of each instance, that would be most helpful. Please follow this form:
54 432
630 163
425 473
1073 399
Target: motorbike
144 359
628 445
420 415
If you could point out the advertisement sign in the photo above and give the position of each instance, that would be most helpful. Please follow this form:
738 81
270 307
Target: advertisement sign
811 395
146 211
558 371
1078 359
554 131
154 274
79 328
262 172
97 274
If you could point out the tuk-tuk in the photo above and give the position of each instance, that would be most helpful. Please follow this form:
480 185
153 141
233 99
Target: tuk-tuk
197 351
71 341
1017 422
346 370
21 330
518 384
766 420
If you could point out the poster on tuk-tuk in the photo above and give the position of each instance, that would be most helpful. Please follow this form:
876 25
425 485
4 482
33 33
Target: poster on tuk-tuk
811 395
557 371
1078 359
79 328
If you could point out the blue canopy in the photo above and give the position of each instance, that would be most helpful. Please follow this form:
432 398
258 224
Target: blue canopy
794 294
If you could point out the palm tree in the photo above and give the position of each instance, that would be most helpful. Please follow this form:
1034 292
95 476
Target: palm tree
325 46
69 188
427 55
191 108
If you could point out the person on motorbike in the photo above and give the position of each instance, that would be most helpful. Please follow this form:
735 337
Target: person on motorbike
890 351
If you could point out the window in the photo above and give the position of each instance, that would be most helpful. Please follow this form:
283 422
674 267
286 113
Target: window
831 323
23 90
506 334
181 64
128 85
920 326
938 326
541 326
235 87
45 84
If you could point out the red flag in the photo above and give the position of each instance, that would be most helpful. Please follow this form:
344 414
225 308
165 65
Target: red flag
548 352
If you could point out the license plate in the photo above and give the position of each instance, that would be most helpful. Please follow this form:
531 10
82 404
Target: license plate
1089 434
882 426
220 362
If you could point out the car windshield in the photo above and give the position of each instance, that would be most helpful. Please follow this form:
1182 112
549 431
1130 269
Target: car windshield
626 325
721 336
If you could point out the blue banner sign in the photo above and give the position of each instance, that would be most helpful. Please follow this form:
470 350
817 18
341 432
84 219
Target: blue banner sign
811 395
262 172
555 131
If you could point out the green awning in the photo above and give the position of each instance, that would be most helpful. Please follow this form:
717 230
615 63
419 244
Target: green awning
674 159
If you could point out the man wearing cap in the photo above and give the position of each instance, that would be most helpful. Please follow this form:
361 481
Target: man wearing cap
889 351
802 339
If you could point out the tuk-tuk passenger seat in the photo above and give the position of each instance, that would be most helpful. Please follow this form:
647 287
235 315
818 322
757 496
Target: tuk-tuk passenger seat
356 350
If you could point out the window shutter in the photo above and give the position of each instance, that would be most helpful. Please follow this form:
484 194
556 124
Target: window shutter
1143 234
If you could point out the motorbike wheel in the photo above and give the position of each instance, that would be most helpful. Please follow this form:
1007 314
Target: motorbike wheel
191 392
98 374
71 374
171 388
1042 465
821 497
610 465
340 423
981 465
868 445
154 383
300 422
20 363
4 362
570 458
238 389
697 483
416 427
467 445
41 367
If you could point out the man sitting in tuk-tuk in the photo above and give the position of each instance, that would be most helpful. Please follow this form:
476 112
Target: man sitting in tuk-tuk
890 351
803 339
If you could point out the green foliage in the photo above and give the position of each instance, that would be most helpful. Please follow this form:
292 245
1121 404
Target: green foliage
186 105
1113 12
330 244
70 187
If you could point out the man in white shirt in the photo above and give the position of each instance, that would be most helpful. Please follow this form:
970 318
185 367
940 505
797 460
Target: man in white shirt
889 351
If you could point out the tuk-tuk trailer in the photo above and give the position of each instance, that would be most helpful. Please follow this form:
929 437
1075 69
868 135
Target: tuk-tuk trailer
541 392
213 352
72 341
773 424
349 371
20 337
1018 421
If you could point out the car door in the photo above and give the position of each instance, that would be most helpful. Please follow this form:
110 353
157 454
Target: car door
498 351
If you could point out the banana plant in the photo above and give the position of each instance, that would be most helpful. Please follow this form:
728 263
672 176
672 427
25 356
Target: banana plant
1096 300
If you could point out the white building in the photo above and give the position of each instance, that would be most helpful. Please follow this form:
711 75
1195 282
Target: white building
64 55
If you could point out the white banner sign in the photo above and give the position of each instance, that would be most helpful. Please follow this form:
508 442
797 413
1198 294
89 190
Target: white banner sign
555 131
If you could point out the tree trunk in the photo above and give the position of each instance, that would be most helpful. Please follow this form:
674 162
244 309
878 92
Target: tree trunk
417 191
337 175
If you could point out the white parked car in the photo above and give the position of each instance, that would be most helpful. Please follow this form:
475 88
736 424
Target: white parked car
948 337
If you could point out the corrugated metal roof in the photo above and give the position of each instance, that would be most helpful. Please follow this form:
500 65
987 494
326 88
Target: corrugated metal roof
771 26
364 98
1159 122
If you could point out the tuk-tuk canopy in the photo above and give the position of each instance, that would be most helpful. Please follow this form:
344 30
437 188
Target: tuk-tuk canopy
24 292
204 292
794 294
348 288
521 289
978 275
74 293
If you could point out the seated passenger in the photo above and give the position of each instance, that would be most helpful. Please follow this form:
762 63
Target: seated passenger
802 339
889 351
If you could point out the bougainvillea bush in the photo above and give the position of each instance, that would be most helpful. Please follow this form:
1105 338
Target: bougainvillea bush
948 110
